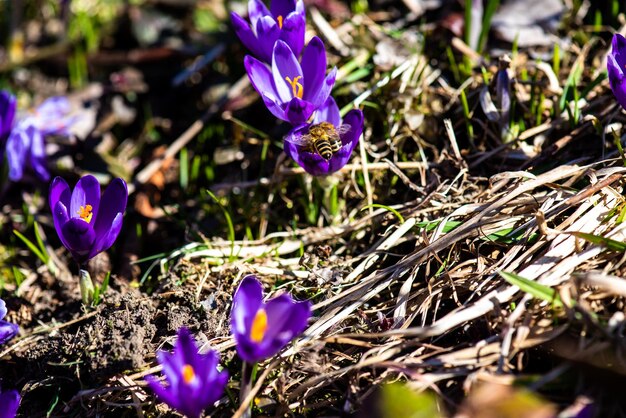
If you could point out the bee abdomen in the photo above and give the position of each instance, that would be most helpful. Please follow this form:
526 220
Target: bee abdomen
324 149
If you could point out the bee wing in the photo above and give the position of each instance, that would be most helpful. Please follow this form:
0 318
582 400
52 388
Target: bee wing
303 140
342 129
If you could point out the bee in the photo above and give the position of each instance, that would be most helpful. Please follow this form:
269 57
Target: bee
323 138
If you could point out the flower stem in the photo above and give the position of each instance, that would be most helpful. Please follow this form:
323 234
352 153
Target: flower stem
86 286
247 371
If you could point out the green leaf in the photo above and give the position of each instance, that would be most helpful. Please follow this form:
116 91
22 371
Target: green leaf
399 401
533 288
31 246
605 242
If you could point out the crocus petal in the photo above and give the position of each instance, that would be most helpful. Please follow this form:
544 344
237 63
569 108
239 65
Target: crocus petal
249 39
313 67
323 92
616 80
328 112
355 119
267 32
311 162
276 109
286 317
60 217
79 237
282 7
104 241
116 197
256 11
3 309
16 152
298 111
285 64
246 302
261 77
170 398
59 191
86 192
9 403
619 50
7 331
38 154
7 113
294 27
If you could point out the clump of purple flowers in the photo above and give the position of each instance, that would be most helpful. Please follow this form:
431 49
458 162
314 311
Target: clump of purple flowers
295 89
22 133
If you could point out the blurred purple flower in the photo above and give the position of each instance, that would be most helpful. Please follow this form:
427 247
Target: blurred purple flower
8 330
286 20
263 329
9 402
616 65
86 227
194 381
7 114
25 142
311 161
292 92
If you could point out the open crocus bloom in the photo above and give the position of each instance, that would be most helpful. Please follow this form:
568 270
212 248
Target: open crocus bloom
291 91
85 226
286 20
312 162
8 330
616 65
9 402
25 143
263 329
194 380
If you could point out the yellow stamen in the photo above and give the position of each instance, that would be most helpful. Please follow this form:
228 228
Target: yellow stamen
188 374
85 213
296 87
259 326
280 21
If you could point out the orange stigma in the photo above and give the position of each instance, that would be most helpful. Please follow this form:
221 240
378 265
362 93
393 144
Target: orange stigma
85 213
296 87
188 374
259 326
280 21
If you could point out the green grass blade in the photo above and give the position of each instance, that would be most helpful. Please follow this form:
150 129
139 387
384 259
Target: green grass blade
597 239
533 288
31 246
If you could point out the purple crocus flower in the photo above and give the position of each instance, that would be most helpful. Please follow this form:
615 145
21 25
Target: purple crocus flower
263 329
286 20
85 226
9 402
616 65
194 381
296 145
291 91
8 330
7 114
25 142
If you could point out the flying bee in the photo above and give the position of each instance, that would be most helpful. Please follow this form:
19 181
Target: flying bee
323 138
